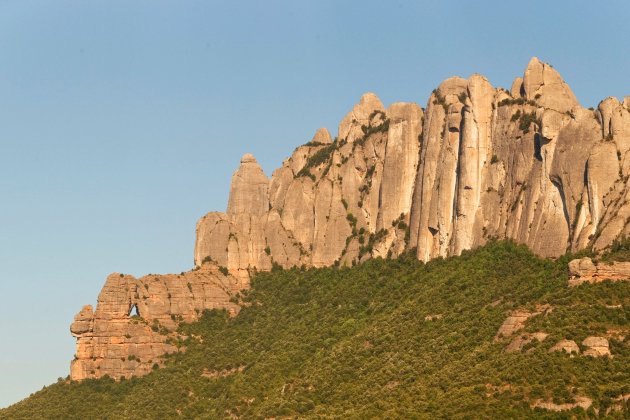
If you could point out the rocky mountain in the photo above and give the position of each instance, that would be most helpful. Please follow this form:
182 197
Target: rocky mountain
478 163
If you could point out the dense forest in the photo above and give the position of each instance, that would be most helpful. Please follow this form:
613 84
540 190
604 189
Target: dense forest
387 338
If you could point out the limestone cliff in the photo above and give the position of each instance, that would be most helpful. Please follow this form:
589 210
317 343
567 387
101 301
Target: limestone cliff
479 162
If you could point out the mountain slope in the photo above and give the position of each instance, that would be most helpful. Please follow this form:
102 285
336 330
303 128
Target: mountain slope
387 338
478 163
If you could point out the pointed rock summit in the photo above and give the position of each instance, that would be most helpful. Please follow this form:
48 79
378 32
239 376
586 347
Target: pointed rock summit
544 84
249 189
350 126
322 136
248 158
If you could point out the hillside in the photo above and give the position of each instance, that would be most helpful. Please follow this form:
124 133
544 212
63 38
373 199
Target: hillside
478 163
390 338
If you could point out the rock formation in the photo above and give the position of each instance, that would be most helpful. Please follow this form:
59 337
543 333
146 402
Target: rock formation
478 163
517 319
519 342
585 271
579 401
566 346
114 341
596 346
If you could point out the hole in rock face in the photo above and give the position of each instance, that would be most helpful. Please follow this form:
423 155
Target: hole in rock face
133 310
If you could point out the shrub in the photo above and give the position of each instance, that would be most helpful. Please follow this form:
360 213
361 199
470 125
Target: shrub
440 100
516 115
517 101
525 120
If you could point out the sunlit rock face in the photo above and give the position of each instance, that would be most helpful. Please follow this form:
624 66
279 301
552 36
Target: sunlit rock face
135 320
477 163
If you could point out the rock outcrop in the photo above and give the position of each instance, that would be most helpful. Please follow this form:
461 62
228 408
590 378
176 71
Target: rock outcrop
135 320
585 271
580 401
478 163
596 347
519 342
566 346
517 319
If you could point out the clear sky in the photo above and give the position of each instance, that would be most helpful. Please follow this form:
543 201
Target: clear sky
121 122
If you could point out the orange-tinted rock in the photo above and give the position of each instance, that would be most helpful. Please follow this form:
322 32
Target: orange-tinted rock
596 347
114 341
516 320
566 346
585 271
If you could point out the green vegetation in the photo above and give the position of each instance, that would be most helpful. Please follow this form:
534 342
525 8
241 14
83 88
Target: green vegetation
318 158
525 120
440 100
619 250
373 239
517 101
353 220
369 130
516 115
367 342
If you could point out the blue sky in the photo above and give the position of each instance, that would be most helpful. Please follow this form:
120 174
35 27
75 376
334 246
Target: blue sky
121 122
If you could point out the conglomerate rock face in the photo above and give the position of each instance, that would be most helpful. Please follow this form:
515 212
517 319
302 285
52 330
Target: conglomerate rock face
135 319
478 163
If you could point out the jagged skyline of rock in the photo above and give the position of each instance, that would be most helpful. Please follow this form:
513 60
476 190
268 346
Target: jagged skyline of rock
530 164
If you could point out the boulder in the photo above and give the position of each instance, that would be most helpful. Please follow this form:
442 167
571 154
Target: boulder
566 346
596 346
517 343
350 126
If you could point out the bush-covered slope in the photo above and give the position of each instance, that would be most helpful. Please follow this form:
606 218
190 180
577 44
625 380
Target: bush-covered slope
388 338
